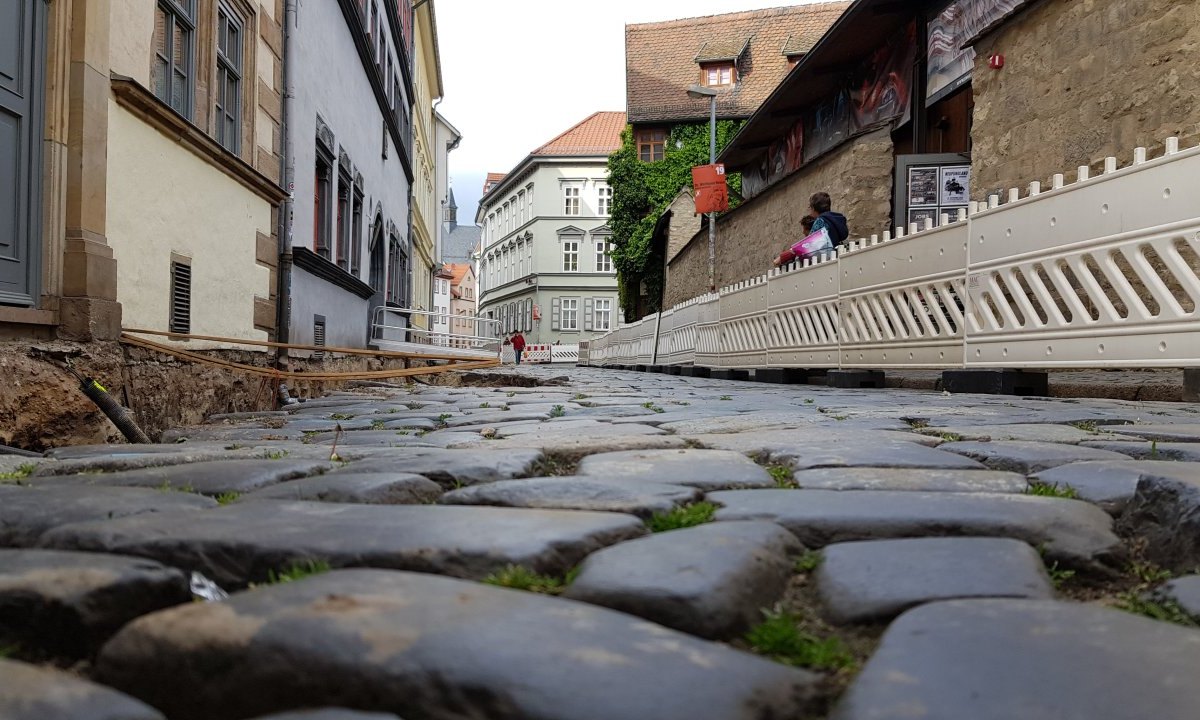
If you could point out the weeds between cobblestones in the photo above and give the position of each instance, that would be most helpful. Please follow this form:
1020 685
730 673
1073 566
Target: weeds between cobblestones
517 577
683 517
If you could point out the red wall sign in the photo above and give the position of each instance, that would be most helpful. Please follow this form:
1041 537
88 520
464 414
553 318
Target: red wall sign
712 194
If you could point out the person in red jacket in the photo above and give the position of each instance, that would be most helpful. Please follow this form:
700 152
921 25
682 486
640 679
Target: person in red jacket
518 343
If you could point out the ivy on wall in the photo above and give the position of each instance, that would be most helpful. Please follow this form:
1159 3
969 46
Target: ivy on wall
642 191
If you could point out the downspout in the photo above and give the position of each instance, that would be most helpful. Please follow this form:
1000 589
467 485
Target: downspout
288 181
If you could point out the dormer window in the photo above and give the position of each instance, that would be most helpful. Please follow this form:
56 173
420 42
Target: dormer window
717 75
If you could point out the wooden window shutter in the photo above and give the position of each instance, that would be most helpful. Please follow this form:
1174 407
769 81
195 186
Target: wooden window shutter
181 298
555 314
587 314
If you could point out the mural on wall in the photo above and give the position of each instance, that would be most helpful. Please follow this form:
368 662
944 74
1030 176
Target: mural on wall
950 63
781 159
881 89
827 125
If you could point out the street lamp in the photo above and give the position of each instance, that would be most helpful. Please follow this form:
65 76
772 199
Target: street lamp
697 92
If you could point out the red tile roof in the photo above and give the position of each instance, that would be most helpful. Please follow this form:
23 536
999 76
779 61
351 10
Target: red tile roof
493 179
662 58
458 271
598 134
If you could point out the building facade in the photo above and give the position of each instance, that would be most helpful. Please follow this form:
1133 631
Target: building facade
463 302
545 267
146 172
349 133
440 321
426 208
911 134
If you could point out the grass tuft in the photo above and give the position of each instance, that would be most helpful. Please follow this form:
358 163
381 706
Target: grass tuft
780 638
298 571
1059 576
341 416
1086 425
725 397
916 424
1042 489
1162 609
809 561
682 517
228 497
23 470
782 475
275 454
557 411
520 578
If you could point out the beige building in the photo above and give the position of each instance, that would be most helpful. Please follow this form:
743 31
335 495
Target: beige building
149 172
426 216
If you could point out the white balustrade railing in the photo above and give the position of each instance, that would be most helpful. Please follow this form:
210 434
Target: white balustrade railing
1102 272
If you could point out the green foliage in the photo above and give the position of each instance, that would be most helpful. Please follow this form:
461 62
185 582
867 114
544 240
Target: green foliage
809 561
1059 576
782 475
485 405
780 638
1086 425
1162 609
1052 490
23 470
557 411
520 578
683 517
376 424
916 424
275 454
1149 573
725 397
641 191
298 571
228 497
341 416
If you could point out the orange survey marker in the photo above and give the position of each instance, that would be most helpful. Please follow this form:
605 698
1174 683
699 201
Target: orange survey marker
712 194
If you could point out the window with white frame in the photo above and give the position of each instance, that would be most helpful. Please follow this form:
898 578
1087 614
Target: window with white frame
603 258
570 199
570 313
570 254
602 314
604 201
521 205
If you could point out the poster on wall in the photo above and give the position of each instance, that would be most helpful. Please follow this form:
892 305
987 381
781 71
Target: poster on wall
782 158
827 125
920 215
979 15
950 64
923 187
954 186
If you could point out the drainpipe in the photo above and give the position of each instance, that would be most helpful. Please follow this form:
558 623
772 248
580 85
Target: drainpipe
288 181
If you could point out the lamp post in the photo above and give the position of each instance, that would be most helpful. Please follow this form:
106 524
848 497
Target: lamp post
697 92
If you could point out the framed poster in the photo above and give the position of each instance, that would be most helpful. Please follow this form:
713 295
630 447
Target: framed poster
954 188
920 215
922 186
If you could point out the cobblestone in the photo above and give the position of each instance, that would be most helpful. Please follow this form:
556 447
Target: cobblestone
911 498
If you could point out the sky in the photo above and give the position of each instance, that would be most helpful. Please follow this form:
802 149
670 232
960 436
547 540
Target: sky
518 73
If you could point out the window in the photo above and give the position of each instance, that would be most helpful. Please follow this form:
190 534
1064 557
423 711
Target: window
570 255
321 202
344 220
180 320
229 79
717 75
603 259
174 35
570 200
651 144
602 314
570 313
397 292
356 231
604 202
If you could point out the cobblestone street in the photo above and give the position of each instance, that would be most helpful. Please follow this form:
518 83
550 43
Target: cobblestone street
581 544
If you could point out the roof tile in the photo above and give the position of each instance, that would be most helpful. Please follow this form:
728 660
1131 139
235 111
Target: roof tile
661 59
598 134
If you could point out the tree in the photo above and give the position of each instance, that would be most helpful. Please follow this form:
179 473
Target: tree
642 191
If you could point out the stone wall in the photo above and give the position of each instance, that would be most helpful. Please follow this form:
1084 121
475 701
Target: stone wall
1083 80
42 406
857 175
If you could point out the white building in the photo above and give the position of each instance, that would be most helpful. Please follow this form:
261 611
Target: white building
348 69
440 322
545 268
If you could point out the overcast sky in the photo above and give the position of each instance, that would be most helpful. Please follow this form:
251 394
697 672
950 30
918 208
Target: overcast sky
518 73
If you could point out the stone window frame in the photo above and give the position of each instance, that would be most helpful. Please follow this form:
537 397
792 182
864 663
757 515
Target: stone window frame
572 193
203 57
229 74
181 13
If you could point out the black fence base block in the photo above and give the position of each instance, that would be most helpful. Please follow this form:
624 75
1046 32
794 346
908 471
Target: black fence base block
641 368
996 382
781 376
729 374
854 379
694 371
657 369
674 369
1191 385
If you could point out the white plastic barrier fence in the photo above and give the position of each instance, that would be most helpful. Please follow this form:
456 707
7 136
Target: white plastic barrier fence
564 354
1102 272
